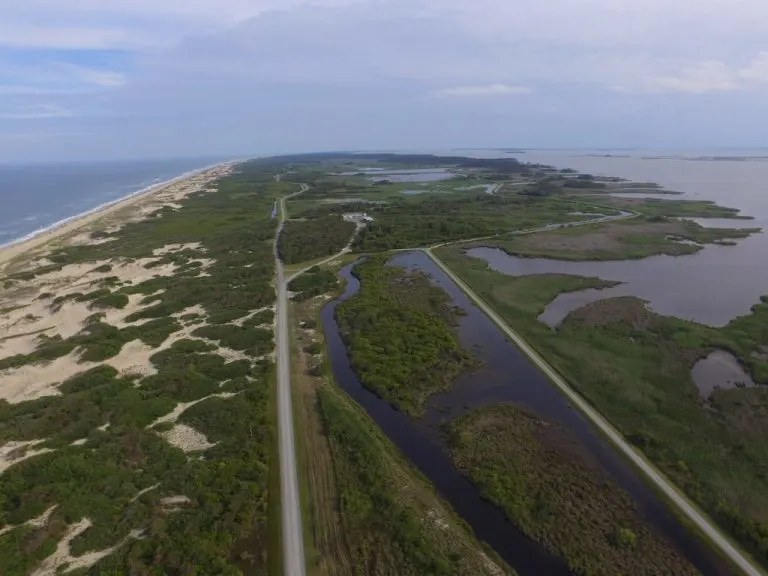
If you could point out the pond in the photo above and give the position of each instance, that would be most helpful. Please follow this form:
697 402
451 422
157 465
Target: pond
721 370
506 376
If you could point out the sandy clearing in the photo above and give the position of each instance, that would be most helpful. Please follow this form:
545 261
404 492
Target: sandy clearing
181 407
38 522
186 438
175 500
20 328
85 239
38 380
170 248
62 556
142 492
241 321
14 452
173 504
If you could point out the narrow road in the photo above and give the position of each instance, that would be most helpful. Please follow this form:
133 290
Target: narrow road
678 499
294 563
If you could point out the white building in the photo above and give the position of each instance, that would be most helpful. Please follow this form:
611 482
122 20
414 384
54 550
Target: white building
358 217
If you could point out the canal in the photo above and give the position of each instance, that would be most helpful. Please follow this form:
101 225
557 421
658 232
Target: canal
506 376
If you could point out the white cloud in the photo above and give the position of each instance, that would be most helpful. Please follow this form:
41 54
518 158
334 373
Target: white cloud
20 35
35 112
699 78
756 70
482 90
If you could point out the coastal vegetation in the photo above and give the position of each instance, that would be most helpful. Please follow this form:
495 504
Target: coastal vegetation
313 282
108 450
627 239
635 367
436 219
303 240
397 329
536 472
368 511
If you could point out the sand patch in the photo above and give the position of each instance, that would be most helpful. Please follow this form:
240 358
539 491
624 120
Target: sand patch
14 452
21 327
244 319
142 492
170 248
38 522
62 557
187 439
173 504
175 500
38 380
181 407
85 239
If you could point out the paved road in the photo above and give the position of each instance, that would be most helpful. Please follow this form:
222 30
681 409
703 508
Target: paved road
681 502
294 563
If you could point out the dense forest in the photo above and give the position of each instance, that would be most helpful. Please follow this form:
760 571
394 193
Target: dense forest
313 282
397 329
435 219
303 240
119 472
534 470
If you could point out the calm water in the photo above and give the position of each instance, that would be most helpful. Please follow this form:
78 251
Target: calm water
719 370
506 376
36 196
690 287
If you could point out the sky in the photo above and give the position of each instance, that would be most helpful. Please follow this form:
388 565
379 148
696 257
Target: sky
109 79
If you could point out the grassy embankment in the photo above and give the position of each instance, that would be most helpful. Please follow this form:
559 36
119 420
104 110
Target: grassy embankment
627 239
367 511
107 463
634 366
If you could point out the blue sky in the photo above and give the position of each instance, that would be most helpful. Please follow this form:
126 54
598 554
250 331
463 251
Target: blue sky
151 78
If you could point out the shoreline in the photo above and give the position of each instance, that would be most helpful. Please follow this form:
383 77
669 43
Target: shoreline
39 238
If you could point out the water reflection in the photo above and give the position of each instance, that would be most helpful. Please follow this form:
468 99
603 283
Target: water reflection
506 376
719 370
689 287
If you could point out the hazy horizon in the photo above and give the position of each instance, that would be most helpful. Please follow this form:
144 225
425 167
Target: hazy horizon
141 79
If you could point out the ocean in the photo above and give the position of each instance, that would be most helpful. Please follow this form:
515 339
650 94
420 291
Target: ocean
38 197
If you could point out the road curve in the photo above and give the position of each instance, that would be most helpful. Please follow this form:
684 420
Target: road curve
294 563
740 559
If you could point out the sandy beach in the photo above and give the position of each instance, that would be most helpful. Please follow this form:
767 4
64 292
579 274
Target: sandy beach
165 193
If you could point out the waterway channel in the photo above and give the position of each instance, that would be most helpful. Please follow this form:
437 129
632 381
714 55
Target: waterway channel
506 376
